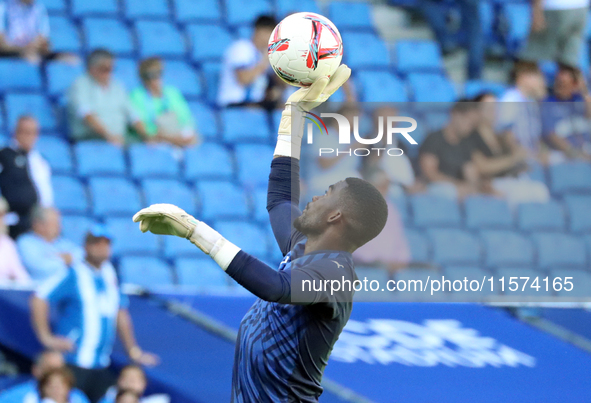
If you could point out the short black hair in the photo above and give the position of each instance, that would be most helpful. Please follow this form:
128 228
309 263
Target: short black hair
123 392
265 21
97 55
365 210
573 71
481 95
463 106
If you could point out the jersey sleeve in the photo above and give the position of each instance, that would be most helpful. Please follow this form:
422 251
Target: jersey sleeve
59 287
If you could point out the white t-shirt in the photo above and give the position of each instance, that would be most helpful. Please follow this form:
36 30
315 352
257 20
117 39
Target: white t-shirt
242 54
565 4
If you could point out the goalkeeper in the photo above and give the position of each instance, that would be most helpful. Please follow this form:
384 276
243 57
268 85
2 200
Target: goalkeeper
286 337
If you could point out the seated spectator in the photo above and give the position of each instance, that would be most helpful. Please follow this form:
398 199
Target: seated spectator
55 386
445 156
246 77
565 117
98 105
126 396
24 29
28 392
25 176
162 108
12 271
132 379
43 251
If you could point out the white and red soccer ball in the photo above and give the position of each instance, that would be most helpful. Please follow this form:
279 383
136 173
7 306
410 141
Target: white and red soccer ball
303 47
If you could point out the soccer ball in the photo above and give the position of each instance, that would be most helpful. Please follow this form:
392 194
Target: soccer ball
303 47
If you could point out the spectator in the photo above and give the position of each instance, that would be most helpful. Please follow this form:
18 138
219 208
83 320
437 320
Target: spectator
445 156
126 396
98 105
557 31
25 176
24 29
43 251
565 117
163 109
55 386
28 392
12 270
132 378
92 308
246 77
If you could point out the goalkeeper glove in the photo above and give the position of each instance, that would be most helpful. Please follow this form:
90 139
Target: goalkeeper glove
301 101
167 219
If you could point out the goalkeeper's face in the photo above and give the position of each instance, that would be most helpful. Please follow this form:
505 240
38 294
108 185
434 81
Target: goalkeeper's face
321 212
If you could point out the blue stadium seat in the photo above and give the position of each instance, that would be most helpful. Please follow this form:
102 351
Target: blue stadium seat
472 88
81 8
221 199
414 56
98 157
70 195
30 104
197 10
153 161
459 273
431 211
208 161
126 71
245 124
208 41
55 6
57 153
245 12
203 274
205 120
487 212
364 50
285 7
518 285
579 209
570 178
179 247
108 33
251 238
64 35
114 196
559 250
431 88
129 240
253 161
401 205
259 202
17 74
507 248
134 9
170 191
454 246
146 272
381 86
75 228
420 250
182 76
211 74
518 21
60 76
581 283
350 15
541 216
159 38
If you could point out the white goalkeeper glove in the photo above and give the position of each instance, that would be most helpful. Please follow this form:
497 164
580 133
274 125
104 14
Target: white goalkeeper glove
305 99
168 219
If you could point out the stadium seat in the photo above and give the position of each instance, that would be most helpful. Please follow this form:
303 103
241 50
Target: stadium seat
114 196
82 8
30 104
153 161
108 33
64 35
570 178
17 74
541 216
381 86
129 240
134 9
454 246
285 7
211 74
244 13
75 228
179 247
559 250
581 283
473 88
205 120
208 161
197 10
126 71
517 17
431 211
522 289
254 164
364 51
412 56
159 38
259 202
57 153
208 41
431 88
170 191
350 15
245 124
459 273
418 244
507 248
182 76
249 237
487 212
579 210
203 274
60 76
221 199
98 157
55 6
70 195
146 272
